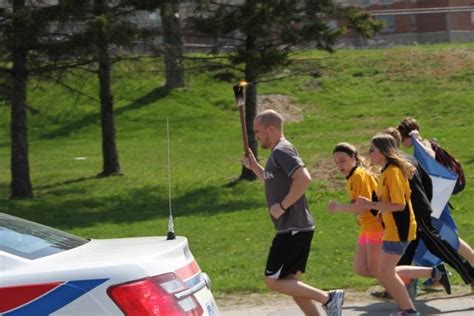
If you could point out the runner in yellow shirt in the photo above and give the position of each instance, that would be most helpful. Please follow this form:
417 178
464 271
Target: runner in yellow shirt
396 212
360 182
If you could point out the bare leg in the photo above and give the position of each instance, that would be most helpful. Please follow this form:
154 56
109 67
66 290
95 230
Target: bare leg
292 286
374 252
305 304
392 282
413 272
466 251
366 261
360 265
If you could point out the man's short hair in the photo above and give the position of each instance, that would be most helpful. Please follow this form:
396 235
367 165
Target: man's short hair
270 117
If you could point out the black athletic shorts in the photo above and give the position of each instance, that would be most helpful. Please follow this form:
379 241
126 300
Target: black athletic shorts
288 254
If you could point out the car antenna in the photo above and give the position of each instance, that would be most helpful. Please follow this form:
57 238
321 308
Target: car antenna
171 234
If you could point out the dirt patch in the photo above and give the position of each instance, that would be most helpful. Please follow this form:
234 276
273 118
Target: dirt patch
285 105
322 168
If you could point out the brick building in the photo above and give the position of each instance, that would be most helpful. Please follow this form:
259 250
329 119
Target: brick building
406 22
417 21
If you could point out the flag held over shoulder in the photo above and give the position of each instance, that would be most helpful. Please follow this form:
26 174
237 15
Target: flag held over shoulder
443 179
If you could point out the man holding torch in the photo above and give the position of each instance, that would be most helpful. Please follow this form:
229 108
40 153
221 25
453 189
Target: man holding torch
286 180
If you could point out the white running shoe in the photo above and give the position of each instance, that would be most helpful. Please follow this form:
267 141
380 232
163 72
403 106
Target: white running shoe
334 306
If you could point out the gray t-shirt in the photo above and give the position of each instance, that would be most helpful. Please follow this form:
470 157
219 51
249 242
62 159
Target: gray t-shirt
283 161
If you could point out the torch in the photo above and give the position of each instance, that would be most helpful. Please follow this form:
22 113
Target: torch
239 92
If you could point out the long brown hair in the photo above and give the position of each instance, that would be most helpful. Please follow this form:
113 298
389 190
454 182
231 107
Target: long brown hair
387 145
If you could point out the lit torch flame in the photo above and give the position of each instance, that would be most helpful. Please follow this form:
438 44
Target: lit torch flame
239 92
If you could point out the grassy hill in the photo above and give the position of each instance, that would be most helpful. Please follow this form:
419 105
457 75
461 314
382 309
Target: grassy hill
359 93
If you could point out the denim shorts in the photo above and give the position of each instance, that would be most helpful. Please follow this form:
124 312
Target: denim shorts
395 247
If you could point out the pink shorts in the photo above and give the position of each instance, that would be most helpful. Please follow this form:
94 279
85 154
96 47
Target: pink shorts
374 238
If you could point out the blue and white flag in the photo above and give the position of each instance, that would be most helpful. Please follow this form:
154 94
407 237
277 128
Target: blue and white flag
443 184
443 179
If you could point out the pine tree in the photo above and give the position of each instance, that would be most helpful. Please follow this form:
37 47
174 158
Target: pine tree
38 39
24 34
108 27
172 44
260 36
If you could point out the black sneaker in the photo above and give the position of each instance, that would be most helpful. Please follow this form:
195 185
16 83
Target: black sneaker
444 277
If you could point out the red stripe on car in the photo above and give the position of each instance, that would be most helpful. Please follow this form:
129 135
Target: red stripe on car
188 270
18 295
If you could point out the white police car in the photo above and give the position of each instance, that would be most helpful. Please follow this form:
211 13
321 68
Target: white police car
44 271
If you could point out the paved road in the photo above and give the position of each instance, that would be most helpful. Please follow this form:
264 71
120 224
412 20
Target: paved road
461 303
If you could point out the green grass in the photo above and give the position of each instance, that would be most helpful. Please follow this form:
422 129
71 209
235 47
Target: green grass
360 93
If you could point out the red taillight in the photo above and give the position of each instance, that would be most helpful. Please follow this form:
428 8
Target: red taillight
154 296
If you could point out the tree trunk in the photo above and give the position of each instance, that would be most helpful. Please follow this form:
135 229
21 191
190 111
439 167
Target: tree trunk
20 169
111 164
172 44
250 105
109 149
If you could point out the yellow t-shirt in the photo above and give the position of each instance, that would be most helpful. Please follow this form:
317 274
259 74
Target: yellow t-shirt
393 187
361 183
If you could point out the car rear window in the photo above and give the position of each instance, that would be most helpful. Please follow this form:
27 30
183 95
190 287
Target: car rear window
32 240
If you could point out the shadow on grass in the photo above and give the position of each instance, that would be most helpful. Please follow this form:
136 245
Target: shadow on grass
470 161
4 189
59 184
90 119
129 207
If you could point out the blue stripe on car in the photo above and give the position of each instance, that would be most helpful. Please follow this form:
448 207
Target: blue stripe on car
57 298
